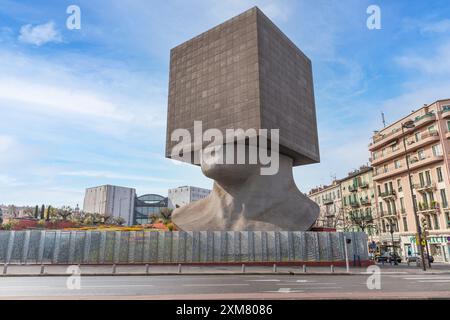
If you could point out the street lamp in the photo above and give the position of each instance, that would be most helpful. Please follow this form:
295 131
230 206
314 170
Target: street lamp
391 229
409 125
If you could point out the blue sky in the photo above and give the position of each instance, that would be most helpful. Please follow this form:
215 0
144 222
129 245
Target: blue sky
80 108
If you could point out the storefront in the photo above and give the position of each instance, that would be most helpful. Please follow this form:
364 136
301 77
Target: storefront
438 246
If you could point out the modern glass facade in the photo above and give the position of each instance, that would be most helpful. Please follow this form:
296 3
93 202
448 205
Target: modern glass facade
147 206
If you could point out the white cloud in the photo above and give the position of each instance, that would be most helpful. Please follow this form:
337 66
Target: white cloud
40 34
436 27
59 99
112 175
437 62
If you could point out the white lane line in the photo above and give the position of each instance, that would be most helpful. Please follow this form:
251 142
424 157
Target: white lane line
386 272
284 290
309 283
266 280
305 281
216 285
427 278
434 281
116 286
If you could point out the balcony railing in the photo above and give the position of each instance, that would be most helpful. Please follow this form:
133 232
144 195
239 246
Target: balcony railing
364 201
425 186
352 188
445 111
354 204
426 116
428 207
327 201
364 185
387 193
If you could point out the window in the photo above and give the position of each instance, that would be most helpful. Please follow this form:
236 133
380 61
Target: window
447 217
431 129
439 174
397 164
417 136
421 154
428 176
402 205
430 226
444 199
422 181
436 222
448 125
385 168
405 224
399 185
437 151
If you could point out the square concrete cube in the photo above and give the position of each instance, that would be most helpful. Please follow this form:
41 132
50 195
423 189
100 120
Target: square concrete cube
245 73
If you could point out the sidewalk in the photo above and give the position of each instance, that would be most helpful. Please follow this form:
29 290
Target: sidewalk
140 270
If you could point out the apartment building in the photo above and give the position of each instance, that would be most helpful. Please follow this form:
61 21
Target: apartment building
329 200
419 141
358 201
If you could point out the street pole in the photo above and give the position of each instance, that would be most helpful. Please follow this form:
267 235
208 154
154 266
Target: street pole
346 255
392 241
416 217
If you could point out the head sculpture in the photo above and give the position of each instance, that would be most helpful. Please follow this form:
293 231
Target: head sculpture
241 106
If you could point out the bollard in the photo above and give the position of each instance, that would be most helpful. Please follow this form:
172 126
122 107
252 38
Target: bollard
274 267
114 269
42 269
5 268
332 269
243 268
304 268
179 268
147 267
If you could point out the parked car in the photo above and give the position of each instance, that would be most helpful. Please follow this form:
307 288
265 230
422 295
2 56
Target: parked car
416 257
388 257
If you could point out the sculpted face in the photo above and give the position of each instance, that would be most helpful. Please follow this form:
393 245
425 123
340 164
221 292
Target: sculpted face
217 166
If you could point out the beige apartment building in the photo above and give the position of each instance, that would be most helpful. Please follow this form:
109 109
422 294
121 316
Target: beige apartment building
427 153
329 200
358 201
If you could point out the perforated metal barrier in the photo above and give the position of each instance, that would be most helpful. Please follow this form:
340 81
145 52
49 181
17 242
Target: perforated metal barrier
106 247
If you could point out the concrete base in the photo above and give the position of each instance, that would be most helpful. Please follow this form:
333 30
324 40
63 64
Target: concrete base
243 199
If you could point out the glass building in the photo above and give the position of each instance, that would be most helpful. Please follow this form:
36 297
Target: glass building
147 206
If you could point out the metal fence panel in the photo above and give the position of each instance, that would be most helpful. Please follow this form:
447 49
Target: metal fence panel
99 247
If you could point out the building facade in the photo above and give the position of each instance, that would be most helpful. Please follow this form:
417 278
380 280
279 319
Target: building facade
424 146
148 206
358 201
329 200
184 195
113 201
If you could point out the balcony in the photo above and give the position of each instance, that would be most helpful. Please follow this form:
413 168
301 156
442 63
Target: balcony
327 201
447 135
354 204
364 185
388 156
352 188
424 119
445 112
382 139
388 194
425 138
416 163
364 201
425 187
389 173
387 214
425 208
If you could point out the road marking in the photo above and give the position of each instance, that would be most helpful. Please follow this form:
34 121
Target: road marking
285 290
216 285
266 280
309 283
304 281
434 280
386 272
427 278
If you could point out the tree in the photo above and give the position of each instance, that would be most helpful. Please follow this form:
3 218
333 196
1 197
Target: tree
166 213
49 213
36 212
362 221
42 212
118 221
64 212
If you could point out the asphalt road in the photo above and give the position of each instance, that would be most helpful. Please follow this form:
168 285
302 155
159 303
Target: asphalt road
393 285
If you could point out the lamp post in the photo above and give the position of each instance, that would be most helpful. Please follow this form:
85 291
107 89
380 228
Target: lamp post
409 125
391 229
